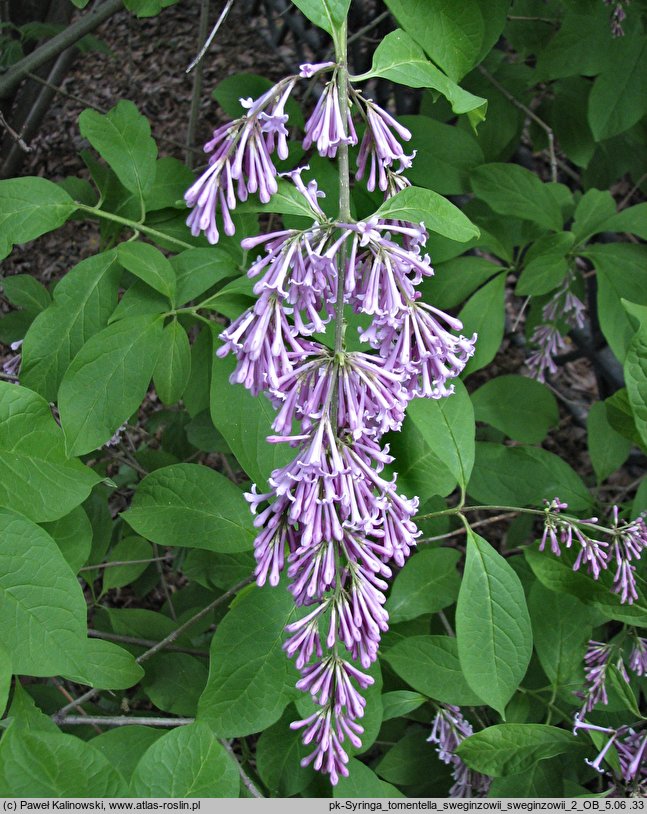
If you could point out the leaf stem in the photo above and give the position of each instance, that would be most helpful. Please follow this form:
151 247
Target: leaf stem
131 224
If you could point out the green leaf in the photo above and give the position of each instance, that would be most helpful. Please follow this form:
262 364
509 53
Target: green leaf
447 427
621 273
279 753
428 583
107 381
130 548
508 749
174 682
250 679
36 477
42 608
172 179
451 34
512 190
544 779
73 535
327 14
635 370
408 760
199 269
401 60
619 687
607 448
26 292
186 762
492 625
560 636
5 676
173 369
55 765
430 665
286 201
150 265
362 782
29 207
631 220
420 470
522 408
454 280
619 95
103 665
399 703
83 301
123 746
445 155
484 315
522 476
123 138
592 212
191 505
545 264
418 205
245 422
229 91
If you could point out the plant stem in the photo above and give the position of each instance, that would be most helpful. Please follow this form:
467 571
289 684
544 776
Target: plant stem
131 224
196 92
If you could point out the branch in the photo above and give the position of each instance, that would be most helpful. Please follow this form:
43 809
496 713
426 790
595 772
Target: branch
118 637
52 48
125 720
247 782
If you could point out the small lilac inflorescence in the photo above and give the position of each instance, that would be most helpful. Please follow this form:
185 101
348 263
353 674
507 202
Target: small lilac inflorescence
331 518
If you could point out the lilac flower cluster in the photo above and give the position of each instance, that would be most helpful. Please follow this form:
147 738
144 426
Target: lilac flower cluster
628 540
631 748
618 15
563 306
12 366
449 729
331 518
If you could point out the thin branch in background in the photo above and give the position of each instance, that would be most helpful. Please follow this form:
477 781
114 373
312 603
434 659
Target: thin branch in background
68 697
531 115
488 521
125 720
196 91
247 782
61 715
160 570
8 376
213 33
515 18
625 201
116 563
118 637
15 136
445 622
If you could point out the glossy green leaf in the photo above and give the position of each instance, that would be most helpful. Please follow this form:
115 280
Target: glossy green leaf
245 422
250 679
5 676
279 753
619 95
510 189
188 761
421 471
544 779
83 301
104 665
286 201
399 703
107 381
508 749
523 476
174 682
327 14
447 428
428 583
593 210
73 535
492 625
123 746
42 608
635 370
130 548
408 761
55 765
173 369
484 315
430 665
522 408
194 506
545 264
362 782
401 60
454 280
632 220
445 155
123 138
29 207
150 265
198 269
607 448
418 205
25 291
621 273
172 179
36 476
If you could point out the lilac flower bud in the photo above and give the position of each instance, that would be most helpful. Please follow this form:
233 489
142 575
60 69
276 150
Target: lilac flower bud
12 365
380 146
309 69
325 127
449 730
638 657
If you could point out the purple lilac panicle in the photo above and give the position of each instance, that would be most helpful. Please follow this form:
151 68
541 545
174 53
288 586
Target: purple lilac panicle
449 729
331 518
631 749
